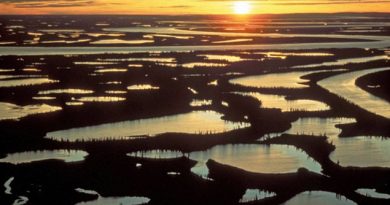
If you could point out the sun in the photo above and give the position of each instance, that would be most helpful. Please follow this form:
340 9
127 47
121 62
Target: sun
242 7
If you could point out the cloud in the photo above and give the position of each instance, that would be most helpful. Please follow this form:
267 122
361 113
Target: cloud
330 2
307 2
174 7
48 3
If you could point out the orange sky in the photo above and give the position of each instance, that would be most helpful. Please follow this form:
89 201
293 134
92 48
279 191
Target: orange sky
187 6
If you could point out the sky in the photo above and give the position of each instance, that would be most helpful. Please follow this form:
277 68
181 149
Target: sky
188 6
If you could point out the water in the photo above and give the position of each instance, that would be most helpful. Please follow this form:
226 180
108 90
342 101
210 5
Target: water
7 42
173 173
111 70
61 30
120 41
194 65
21 200
280 102
116 92
321 22
33 156
63 41
284 55
44 98
257 158
135 66
156 154
117 201
150 59
203 64
239 40
377 42
65 91
345 61
194 122
372 193
74 103
31 70
318 126
111 83
93 63
85 191
224 103
193 91
344 86
105 34
200 103
89 50
6 77
142 87
255 195
361 151
10 111
169 30
213 83
127 200
100 99
8 191
228 58
25 82
319 198
273 80
7 186
168 36
6 70
200 169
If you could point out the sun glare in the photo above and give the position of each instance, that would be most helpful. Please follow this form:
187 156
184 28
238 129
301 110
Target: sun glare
241 7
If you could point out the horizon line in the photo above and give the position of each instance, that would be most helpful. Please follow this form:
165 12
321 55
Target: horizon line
194 14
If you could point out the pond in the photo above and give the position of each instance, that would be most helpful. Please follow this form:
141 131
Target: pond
273 80
345 61
195 122
9 111
373 193
156 154
344 86
25 82
256 158
126 200
255 195
319 198
280 102
33 156
361 151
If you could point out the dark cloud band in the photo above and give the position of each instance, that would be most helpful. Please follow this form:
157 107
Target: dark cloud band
48 3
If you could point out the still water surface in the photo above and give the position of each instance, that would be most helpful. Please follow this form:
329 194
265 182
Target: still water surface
195 122
344 86
32 156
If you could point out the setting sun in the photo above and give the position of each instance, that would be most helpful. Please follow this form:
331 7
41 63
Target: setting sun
241 7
